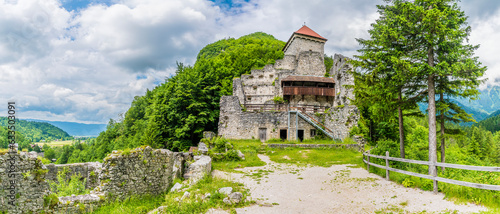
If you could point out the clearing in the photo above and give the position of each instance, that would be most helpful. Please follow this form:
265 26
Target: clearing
288 188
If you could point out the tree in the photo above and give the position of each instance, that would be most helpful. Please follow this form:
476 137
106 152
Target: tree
432 34
390 81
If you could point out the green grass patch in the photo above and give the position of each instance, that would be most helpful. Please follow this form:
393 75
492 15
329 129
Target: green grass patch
324 157
311 141
195 203
250 148
458 194
134 204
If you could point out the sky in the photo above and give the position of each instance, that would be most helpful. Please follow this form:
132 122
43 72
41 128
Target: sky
85 60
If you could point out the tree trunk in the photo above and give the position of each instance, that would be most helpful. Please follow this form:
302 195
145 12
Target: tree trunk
401 129
442 133
432 118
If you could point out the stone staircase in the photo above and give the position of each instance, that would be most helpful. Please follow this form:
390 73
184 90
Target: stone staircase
331 134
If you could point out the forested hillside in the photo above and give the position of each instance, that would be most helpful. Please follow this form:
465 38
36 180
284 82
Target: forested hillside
174 114
36 131
492 123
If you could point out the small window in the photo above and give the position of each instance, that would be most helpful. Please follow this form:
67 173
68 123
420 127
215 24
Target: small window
313 132
261 76
249 98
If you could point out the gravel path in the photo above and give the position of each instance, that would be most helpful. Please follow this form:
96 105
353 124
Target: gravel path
287 188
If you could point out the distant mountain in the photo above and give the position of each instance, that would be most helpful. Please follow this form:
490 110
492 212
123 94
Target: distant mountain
36 131
476 114
77 129
488 102
492 123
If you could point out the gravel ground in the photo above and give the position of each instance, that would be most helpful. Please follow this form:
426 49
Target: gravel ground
287 188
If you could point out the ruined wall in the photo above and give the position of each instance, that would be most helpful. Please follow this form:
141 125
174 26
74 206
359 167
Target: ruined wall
23 182
141 171
237 124
88 171
258 86
343 116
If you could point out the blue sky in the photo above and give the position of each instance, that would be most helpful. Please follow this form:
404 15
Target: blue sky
84 61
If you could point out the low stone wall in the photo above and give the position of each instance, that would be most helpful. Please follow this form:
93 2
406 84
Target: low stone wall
357 147
23 182
89 171
141 171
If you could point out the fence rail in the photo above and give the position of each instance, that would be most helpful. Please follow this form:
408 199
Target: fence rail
431 164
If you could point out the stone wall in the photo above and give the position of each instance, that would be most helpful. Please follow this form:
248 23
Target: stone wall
140 171
23 182
237 124
88 171
299 44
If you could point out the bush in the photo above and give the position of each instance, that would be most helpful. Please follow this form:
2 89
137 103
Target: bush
220 149
68 186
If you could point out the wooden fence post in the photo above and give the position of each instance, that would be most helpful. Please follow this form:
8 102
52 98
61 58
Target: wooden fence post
368 162
387 165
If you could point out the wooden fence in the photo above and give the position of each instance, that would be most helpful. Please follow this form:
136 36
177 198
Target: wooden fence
435 179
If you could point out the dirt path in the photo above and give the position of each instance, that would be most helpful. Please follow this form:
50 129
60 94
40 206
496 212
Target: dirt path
287 188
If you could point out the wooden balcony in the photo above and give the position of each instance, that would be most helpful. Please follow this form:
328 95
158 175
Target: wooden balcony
304 90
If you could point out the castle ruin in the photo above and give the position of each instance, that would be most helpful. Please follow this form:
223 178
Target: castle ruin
293 99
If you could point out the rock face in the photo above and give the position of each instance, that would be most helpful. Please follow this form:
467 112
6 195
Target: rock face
202 147
200 168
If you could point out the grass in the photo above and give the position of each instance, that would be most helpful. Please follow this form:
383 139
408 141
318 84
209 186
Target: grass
134 204
458 194
56 143
309 141
195 203
250 148
324 157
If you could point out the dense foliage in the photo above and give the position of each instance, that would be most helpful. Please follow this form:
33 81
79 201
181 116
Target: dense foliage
36 131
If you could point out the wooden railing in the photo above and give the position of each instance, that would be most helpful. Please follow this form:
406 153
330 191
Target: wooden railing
285 107
431 164
304 90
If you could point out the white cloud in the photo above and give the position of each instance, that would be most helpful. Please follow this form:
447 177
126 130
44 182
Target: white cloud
87 65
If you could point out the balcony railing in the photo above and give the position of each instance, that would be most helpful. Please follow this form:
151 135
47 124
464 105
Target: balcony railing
285 107
304 90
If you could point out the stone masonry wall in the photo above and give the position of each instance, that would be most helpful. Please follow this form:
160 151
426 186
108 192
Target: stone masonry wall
236 124
23 182
141 171
88 171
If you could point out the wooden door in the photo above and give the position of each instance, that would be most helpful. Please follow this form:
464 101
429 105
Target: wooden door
262 134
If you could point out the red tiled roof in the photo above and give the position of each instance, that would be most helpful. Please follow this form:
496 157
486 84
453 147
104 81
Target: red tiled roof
304 30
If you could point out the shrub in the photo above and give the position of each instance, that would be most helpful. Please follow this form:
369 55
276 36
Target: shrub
68 186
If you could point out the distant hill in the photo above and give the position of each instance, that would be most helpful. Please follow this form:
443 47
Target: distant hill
477 115
488 102
36 131
492 123
77 129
